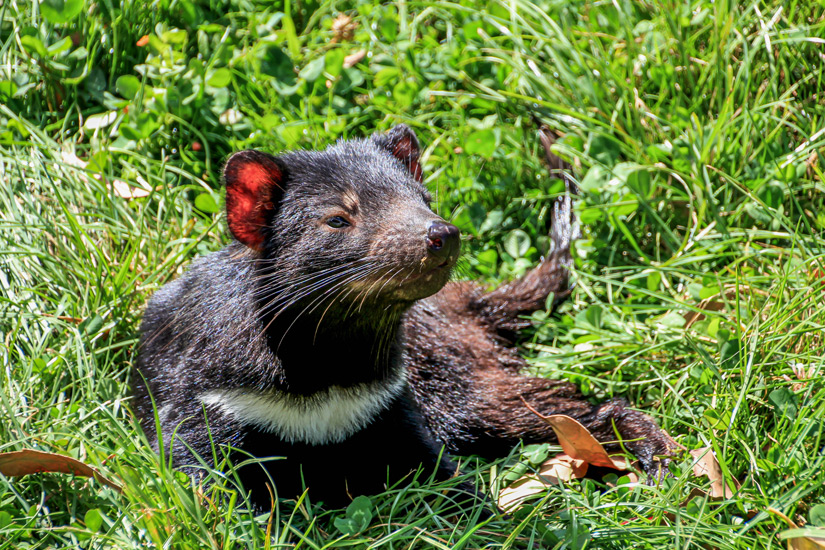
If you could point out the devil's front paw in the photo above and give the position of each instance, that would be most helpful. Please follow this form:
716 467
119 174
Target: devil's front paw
656 456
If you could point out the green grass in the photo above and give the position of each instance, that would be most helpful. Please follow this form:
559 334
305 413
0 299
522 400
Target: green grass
695 132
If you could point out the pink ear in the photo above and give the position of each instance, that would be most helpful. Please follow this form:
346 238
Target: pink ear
253 190
402 143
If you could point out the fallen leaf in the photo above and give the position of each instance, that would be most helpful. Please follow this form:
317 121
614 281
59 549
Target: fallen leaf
717 302
805 543
578 443
558 469
801 542
708 304
707 465
68 319
352 59
29 461
515 494
126 191
562 467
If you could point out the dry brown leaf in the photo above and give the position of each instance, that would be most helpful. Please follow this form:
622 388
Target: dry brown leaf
717 302
708 304
557 469
707 465
352 59
580 450
68 319
29 461
577 442
514 495
126 191
806 543
799 543
560 468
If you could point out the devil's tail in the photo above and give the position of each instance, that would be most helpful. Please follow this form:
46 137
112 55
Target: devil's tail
564 225
510 303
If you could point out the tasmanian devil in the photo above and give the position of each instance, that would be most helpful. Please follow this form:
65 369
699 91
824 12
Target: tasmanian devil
327 334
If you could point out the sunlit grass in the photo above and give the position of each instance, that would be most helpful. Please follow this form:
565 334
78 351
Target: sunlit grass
695 132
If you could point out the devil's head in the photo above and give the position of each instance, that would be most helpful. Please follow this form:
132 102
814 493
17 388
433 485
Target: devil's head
352 222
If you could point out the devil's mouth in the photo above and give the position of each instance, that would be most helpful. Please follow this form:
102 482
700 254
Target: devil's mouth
415 277
446 264
414 283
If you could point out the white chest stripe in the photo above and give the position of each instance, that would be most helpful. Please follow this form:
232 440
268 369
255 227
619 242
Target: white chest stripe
329 416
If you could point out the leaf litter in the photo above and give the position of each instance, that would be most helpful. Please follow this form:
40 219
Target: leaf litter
581 450
30 461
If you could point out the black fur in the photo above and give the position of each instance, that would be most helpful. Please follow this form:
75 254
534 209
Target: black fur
262 320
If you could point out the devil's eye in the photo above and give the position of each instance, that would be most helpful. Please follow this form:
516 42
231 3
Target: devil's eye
337 222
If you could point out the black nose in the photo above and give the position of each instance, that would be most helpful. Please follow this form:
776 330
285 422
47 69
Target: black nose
443 240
